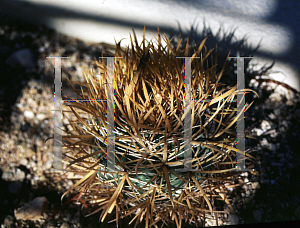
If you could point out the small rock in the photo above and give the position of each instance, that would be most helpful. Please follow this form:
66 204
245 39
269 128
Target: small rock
7 175
19 175
39 142
24 162
277 111
289 103
40 116
13 165
8 221
64 225
258 131
48 165
275 97
15 187
255 185
285 123
32 210
211 222
272 181
265 125
257 215
272 116
264 142
280 155
245 174
233 219
273 147
29 114
23 58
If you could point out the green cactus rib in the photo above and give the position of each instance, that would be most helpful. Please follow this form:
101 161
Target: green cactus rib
145 174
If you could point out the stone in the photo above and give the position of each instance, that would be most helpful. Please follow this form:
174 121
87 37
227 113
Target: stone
264 142
245 174
29 114
24 162
7 175
33 210
64 225
21 58
48 165
233 219
8 221
258 131
272 116
40 116
19 175
257 215
255 185
273 147
277 111
211 222
265 125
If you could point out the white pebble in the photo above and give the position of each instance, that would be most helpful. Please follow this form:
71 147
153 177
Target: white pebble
24 162
32 210
255 185
40 116
258 131
19 175
29 114
48 165
264 142
265 125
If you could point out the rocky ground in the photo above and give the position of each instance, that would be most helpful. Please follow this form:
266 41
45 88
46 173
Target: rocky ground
30 193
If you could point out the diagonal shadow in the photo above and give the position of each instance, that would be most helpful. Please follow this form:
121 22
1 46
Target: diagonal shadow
225 42
257 113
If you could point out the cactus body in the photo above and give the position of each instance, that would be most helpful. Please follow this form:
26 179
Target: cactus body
149 137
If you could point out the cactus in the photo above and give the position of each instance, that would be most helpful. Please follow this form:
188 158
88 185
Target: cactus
149 136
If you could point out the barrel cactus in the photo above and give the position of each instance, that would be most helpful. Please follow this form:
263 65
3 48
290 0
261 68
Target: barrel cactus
149 183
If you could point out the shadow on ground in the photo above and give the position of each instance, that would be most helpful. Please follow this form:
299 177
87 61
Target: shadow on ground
14 79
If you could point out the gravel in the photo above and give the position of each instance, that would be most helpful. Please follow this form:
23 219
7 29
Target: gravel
269 193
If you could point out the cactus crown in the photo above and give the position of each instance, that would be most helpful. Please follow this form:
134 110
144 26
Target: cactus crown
149 116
